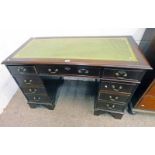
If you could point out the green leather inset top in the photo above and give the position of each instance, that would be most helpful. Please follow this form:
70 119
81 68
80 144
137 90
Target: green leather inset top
117 49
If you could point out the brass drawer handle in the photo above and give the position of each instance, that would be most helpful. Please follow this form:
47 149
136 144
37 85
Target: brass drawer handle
113 98
106 86
116 89
121 74
67 68
36 98
28 82
83 71
54 71
110 107
31 90
21 69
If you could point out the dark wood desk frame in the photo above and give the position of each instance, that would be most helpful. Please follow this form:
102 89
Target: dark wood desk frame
116 80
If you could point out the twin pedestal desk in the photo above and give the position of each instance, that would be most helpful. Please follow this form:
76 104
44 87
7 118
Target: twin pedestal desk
115 63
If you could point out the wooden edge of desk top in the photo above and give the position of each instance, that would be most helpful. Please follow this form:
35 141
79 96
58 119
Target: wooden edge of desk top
142 63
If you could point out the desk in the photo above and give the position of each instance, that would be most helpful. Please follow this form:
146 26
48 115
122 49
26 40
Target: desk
115 63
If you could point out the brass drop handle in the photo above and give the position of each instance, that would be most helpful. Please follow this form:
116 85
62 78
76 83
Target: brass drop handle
83 71
54 71
67 68
113 98
31 90
105 86
121 74
36 98
21 69
28 81
116 89
110 107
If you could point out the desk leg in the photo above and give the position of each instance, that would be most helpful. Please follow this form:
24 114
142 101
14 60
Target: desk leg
130 109
115 115
96 113
50 107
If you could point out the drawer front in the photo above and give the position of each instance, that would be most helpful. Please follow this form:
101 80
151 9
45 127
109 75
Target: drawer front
110 106
151 91
117 87
34 90
49 69
67 70
88 71
113 97
21 70
122 74
38 98
147 103
28 81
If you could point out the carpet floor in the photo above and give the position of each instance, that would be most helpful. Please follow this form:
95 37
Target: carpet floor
74 108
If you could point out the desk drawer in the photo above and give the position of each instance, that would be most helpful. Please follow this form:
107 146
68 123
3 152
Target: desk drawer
21 70
117 86
122 74
35 90
28 81
38 98
109 106
147 103
113 97
67 70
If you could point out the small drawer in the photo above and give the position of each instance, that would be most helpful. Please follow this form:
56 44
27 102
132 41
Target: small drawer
28 81
122 74
34 90
20 70
117 86
38 98
110 106
147 103
67 70
114 97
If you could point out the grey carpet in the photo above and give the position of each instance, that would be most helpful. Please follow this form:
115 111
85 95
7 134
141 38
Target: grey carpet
74 109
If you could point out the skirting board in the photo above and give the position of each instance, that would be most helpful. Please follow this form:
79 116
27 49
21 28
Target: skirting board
7 93
8 87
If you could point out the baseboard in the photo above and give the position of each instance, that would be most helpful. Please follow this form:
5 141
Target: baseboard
7 93
8 87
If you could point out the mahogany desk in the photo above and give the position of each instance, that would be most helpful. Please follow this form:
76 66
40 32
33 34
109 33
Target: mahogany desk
115 62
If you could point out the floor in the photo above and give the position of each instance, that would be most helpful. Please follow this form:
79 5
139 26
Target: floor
74 108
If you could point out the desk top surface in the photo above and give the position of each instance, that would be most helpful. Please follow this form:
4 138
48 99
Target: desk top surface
78 48
67 49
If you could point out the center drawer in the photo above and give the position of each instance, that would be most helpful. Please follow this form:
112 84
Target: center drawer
67 70
113 97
